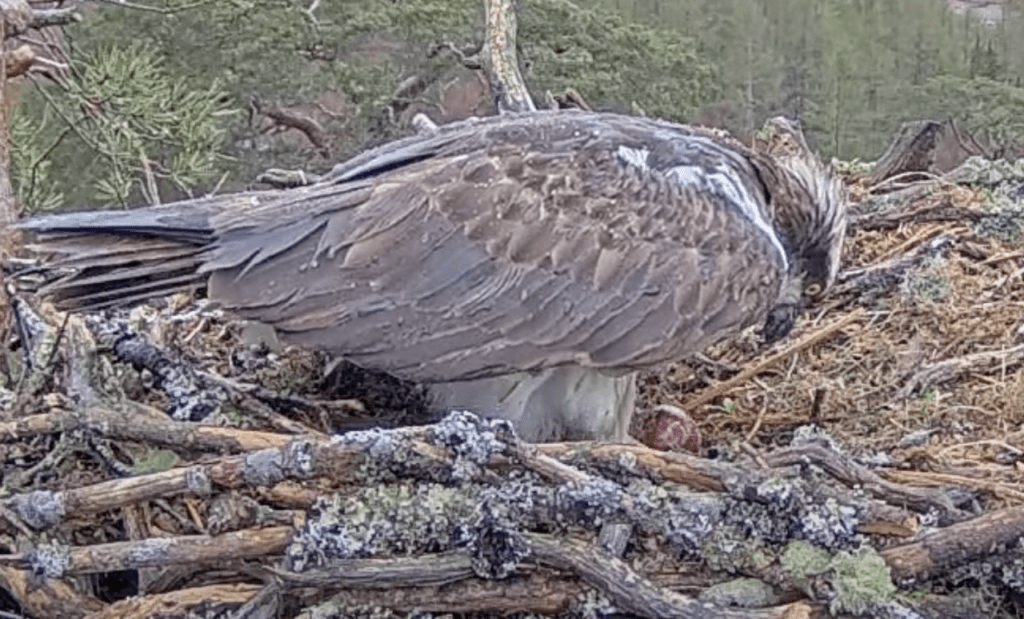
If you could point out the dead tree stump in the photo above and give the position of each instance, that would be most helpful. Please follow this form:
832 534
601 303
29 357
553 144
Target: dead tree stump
912 149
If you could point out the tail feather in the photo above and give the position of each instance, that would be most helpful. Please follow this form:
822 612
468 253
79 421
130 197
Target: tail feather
136 270
107 250
103 259
180 221
86 299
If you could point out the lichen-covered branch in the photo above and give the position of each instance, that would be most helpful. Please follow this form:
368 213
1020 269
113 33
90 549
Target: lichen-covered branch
57 561
854 474
627 589
42 18
43 509
443 483
144 425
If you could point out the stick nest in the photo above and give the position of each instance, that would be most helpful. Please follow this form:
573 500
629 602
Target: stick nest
170 461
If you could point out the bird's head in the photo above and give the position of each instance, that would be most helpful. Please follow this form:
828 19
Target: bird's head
809 208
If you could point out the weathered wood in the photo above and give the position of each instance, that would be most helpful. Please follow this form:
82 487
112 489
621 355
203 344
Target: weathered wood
144 425
284 118
43 509
507 85
854 474
912 149
156 552
426 570
904 213
938 372
56 599
540 594
17 17
178 603
44 18
956 545
626 588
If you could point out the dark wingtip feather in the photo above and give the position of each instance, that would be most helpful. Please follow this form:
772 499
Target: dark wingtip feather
99 259
153 222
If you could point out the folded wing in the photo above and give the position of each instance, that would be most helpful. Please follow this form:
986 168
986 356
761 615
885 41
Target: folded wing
511 244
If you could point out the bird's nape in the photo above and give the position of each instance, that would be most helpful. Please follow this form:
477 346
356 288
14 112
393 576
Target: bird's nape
810 204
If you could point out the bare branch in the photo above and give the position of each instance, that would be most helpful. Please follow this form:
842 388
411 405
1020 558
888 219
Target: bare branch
149 188
422 124
42 18
309 12
156 9
470 61
280 179
571 99
974 147
283 117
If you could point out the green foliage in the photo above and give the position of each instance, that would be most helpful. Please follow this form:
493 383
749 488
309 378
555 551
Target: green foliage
849 71
154 461
347 58
144 129
32 175
342 65
984 61
980 104
612 62
143 120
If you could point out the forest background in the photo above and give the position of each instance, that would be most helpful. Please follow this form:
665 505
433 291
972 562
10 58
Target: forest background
203 96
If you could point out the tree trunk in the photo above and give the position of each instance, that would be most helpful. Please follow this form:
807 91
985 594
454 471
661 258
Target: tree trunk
507 86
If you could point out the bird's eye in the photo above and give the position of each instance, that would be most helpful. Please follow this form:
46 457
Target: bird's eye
813 290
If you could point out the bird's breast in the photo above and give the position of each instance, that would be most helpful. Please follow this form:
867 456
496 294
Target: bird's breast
554 404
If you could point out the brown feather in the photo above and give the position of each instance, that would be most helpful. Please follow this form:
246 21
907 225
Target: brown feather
490 247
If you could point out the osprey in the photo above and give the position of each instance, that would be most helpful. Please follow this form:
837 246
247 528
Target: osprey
524 266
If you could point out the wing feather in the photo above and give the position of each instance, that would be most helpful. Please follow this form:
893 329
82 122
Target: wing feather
491 246
501 246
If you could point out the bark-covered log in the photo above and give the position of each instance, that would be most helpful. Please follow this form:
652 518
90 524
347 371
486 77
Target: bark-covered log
955 545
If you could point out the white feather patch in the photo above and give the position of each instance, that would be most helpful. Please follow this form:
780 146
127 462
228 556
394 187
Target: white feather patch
636 157
721 181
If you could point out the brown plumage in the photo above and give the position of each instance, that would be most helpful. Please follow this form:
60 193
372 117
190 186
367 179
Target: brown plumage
527 265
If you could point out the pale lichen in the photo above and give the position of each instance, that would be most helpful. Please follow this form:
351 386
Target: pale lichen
472 441
742 592
855 582
40 509
49 560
